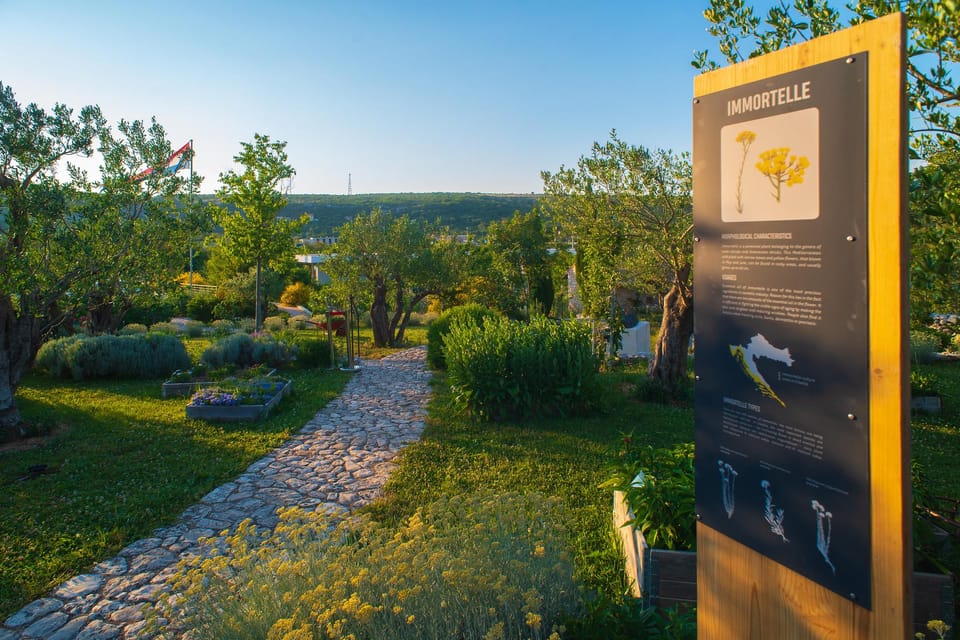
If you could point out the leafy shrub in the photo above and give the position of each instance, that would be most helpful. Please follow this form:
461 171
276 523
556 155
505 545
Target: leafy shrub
487 567
164 327
242 350
247 325
194 329
298 323
150 309
200 307
274 323
924 346
223 328
507 369
923 384
658 485
440 327
955 342
296 294
312 350
132 328
422 319
133 356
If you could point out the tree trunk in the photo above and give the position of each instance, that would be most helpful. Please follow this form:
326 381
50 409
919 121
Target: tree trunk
669 364
378 315
19 341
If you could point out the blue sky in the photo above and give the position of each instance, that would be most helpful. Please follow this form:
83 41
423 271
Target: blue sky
405 96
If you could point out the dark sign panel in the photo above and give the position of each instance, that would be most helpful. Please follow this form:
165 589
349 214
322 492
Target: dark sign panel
782 349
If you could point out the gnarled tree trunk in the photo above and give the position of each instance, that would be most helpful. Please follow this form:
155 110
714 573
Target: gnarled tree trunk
19 341
669 364
379 321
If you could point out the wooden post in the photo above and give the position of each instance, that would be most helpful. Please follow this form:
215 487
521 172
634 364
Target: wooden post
741 593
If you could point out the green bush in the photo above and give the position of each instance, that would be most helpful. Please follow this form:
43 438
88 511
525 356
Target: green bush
132 328
133 356
223 328
274 323
485 567
924 346
311 349
298 323
242 350
151 309
168 328
658 486
200 307
439 328
504 369
194 328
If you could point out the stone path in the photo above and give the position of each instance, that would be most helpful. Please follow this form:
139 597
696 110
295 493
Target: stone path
340 460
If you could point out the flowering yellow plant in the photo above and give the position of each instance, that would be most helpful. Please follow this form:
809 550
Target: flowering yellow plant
780 167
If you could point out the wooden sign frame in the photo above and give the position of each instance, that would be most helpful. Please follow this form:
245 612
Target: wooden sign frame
741 593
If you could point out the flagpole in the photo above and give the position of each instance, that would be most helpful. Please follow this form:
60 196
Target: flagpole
190 240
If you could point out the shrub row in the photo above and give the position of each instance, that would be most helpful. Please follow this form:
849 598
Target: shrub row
503 369
150 355
440 328
242 350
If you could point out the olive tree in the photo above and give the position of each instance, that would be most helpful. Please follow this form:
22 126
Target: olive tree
629 211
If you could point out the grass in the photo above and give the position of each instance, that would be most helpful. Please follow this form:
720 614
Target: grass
936 438
119 463
563 458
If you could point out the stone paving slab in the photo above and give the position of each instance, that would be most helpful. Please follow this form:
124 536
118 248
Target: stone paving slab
341 459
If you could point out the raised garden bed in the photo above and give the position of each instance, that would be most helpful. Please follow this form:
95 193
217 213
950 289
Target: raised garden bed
241 411
666 579
182 389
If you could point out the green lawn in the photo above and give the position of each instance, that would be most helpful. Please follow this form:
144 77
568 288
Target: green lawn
121 463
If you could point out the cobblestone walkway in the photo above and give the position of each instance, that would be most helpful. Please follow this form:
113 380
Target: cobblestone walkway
340 459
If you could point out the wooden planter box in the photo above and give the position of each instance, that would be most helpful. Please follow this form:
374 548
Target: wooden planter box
240 412
667 579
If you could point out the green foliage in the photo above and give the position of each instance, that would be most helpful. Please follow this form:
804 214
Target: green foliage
153 309
629 211
252 233
200 307
167 328
932 51
312 348
440 328
658 486
131 356
223 328
194 328
396 263
520 265
243 350
274 323
923 383
627 619
132 328
458 211
485 566
924 346
505 369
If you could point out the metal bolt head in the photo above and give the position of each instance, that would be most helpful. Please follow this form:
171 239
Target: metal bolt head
851 238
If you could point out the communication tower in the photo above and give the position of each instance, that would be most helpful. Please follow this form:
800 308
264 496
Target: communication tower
349 185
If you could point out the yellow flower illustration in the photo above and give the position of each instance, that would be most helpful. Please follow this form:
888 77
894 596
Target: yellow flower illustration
780 167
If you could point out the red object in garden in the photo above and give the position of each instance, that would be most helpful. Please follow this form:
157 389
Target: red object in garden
337 320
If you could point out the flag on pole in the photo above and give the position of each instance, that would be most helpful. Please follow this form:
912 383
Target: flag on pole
178 160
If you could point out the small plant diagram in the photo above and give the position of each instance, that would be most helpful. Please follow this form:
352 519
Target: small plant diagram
728 480
772 513
824 532
769 169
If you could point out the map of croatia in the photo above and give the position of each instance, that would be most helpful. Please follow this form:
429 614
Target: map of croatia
747 357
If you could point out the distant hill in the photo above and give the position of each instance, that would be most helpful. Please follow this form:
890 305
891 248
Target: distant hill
462 212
